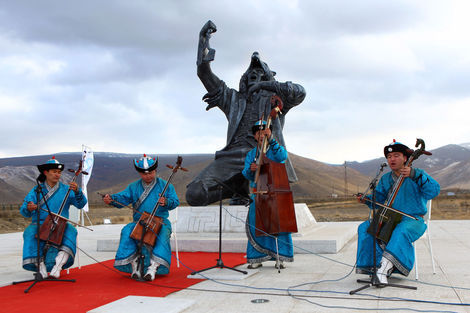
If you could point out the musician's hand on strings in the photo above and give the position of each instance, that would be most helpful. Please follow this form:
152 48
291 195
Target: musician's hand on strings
264 133
107 199
74 186
406 171
162 201
31 206
253 167
268 133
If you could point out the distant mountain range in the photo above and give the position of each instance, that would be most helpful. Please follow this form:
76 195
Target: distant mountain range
449 165
112 172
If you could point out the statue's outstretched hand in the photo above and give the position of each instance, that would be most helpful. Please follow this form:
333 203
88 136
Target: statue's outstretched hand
204 52
208 29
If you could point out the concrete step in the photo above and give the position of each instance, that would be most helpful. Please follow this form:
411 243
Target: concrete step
320 238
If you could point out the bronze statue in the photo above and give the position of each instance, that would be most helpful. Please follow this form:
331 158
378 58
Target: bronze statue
242 109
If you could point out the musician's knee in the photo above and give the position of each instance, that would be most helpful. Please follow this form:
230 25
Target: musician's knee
362 228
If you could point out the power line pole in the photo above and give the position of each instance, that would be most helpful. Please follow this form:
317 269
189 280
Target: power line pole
345 180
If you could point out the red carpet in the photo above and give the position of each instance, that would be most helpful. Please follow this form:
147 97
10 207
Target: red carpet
96 285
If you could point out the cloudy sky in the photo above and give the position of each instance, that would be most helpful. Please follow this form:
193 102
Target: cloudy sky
120 76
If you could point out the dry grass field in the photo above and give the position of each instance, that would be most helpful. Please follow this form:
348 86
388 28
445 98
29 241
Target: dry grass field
327 210
443 208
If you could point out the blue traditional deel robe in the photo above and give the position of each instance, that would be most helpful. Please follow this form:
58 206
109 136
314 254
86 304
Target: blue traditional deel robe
128 247
415 191
54 196
263 248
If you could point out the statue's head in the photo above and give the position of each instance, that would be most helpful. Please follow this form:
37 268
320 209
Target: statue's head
256 72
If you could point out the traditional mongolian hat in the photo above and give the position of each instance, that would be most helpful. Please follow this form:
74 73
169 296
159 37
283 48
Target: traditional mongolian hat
396 146
260 125
146 164
49 165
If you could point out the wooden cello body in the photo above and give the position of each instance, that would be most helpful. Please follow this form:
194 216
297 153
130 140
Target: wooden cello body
275 211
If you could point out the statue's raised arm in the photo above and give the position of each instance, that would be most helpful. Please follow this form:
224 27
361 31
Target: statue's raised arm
205 55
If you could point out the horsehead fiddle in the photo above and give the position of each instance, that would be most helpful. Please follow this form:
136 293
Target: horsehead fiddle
149 225
53 228
387 219
274 202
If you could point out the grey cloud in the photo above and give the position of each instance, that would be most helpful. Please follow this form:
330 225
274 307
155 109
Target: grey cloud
119 60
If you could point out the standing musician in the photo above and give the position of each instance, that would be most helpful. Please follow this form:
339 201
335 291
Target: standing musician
54 192
144 195
263 248
417 188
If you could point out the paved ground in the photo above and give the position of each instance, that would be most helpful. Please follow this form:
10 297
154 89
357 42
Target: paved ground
451 244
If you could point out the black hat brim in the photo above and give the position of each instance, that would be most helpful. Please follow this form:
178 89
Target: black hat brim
50 166
398 147
151 168
256 128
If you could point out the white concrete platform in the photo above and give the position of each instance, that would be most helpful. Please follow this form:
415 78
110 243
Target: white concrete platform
197 229
138 304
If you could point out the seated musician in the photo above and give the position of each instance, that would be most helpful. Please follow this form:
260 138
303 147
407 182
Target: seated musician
263 248
56 258
417 188
144 195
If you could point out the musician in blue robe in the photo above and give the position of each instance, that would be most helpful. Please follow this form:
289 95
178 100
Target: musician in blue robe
263 248
52 193
418 187
144 194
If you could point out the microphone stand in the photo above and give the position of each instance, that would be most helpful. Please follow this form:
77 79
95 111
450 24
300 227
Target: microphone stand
220 263
374 280
37 275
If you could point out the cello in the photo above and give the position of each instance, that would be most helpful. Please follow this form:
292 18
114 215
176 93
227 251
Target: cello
149 225
53 228
274 202
385 221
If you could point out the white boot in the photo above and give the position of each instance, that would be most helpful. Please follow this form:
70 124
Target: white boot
385 266
60 261
135 271
151 270
254 265
43 270
280 265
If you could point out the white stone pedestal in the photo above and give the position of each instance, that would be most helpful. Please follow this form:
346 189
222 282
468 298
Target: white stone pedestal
197 229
